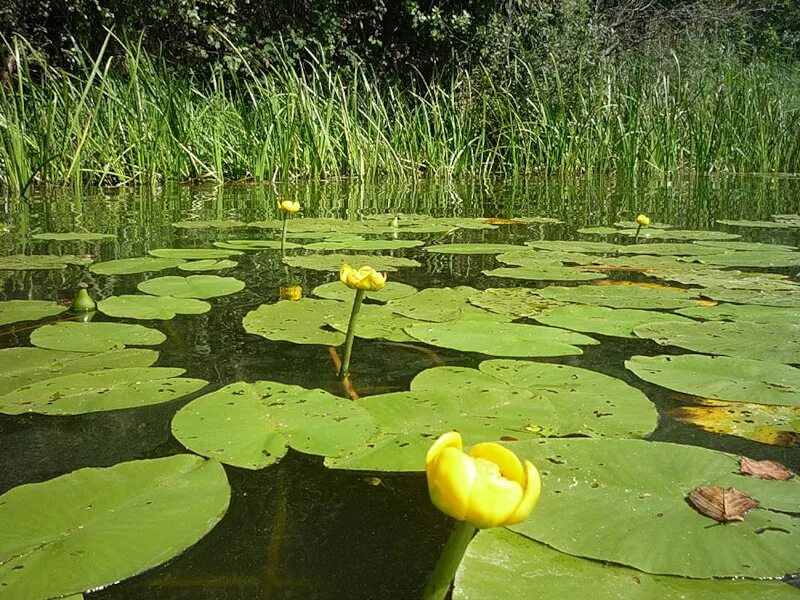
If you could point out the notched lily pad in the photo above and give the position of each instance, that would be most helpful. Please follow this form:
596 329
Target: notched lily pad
302 322
128 266
207 265
622 296
13 311
515 302
193 253
94 337
143 306
193 286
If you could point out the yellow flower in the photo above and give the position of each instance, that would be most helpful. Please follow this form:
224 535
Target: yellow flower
487 487
289 206
643 220
290 292
365 278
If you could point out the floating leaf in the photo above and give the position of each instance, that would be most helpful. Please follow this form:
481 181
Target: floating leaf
687 234
128 266
334 262
23 366
301 322
599 230
766 260
606 499
775 425
722 505
580 246
669 249
619 322
500 339
635 225
393 290
776 342
439 305
142 306
620 296
758 224
502 564
207 265
728 279
193 253
74 237
544 272
743 312
721 377
375 322
255 245
193 286
473 248
94 337
764 469
363 244
751 246
13 311
107 389
513 302
41 262
544 258
106 525
212 224
779 297
251 425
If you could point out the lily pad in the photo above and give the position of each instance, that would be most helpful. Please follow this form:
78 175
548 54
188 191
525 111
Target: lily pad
606 499
747 246
779 297
439 305
764 260
744 312
41 262
767 424
334 290
622 296
128 266
142 306
334 262
375 322
501 339
251 425
757 224
207 265
74 237
579 246
94 337
193 253
513 302
193 286
473 248
729 279
363 244
598 230
255 245
544 258
13 311
212 224
23 366
670 249
544 272
618 322
634 225
502 564
94 391
301 322
687 234
776 342
721 377
107 524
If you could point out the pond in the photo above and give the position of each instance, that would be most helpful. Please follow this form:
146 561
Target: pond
523 307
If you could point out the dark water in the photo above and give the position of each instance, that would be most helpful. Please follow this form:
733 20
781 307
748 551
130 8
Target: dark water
296 529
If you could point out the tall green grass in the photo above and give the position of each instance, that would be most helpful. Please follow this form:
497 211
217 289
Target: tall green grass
130 119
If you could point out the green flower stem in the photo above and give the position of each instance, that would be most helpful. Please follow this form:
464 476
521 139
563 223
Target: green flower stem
636 235
351 332
283 234
446 568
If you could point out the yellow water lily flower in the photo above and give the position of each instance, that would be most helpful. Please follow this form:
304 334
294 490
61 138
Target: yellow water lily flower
365 278
289 206
643 220
486 487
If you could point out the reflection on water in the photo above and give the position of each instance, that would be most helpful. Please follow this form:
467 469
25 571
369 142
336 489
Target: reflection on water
298 530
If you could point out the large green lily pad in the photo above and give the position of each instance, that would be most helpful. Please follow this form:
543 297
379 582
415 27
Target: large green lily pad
474 248
610 499
579 246
301 322
765 297
754 313
193 253
193 286
41 262
502 564
622 296
618 322
440 305
764 260
334 262
515 302
94 527
369 245
251 425
669 249
544 258
209 264
746 246
13 311
256 245
74 237
721 377
688 234
94 337
756 224
500 339
776 342
142 306
544 272
335 290
94 391
128 266
729 279
598 230
23 366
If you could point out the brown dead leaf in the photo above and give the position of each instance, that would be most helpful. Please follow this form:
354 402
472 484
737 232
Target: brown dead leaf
765 469
721 504
501 221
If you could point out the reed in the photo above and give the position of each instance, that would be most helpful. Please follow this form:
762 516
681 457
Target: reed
129 119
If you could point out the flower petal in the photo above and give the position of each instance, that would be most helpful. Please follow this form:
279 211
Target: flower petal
451 475
533 490
510 466
492 500
451 439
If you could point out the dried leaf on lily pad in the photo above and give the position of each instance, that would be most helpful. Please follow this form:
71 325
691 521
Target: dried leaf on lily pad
721 504
765 469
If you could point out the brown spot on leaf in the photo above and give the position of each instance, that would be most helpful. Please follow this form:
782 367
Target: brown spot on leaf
764 469
721 504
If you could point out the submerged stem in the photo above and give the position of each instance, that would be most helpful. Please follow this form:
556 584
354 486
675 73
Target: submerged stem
283 234
445 570
636 235
351 332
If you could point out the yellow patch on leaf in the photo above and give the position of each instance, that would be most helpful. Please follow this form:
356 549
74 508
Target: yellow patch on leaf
501 221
